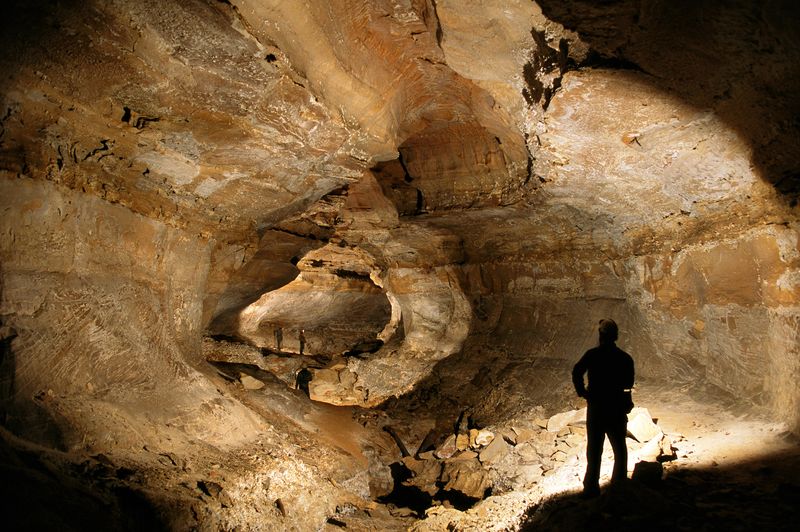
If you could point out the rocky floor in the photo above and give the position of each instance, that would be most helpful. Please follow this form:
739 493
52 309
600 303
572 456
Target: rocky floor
712 467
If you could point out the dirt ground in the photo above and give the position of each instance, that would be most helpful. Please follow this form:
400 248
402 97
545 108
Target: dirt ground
732 471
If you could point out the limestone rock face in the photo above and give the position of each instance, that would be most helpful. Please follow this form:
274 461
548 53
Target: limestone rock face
444 197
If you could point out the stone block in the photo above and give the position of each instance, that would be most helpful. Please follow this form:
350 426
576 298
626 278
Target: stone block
640 425
465 455
648 473
447 448
528 475
467 477
473 433
564 419
509 435
250 383
484 437
524 434
527 453
495 451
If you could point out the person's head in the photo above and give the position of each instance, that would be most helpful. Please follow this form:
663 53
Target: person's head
608 331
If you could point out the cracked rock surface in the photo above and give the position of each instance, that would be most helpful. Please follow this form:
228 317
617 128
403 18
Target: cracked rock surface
424 205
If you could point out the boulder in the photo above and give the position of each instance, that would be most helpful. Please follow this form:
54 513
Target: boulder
558 456
527 476
424 474
427 455
667 450
509 435
648 452
467 477
484 437
250 383
578 429
464 455
495 451
564 419
527 453
473 433
524 434
447 448
648 473
641 427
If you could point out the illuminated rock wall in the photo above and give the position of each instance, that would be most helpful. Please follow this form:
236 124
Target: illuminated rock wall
431 190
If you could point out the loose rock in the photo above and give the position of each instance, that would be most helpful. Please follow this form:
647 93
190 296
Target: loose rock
640 425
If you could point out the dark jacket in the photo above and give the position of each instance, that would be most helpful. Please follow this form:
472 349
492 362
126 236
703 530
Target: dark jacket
610 372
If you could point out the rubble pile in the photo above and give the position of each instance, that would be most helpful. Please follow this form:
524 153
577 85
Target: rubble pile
472 464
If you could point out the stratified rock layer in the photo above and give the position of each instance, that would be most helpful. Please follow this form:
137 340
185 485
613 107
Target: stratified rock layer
444 197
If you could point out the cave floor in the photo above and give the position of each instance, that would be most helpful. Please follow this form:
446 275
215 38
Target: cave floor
733 471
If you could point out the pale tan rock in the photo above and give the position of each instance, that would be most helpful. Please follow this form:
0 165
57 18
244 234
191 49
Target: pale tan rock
524 434
527 453
473 433
464 455
427 455
250 383
559 456
484 437
467 477
641 426
509 435
495 451
528 475
560 421
447 447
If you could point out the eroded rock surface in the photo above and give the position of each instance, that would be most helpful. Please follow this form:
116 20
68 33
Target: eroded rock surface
443 197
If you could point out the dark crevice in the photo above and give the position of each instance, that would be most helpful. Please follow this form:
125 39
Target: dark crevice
546 59
104 146
407 178
596 60
439 33
143 121
299 234
348 274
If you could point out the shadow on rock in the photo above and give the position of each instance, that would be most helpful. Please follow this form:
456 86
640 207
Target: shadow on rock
761 494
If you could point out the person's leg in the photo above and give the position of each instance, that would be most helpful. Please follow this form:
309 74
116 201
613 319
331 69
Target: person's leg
617 430
595 434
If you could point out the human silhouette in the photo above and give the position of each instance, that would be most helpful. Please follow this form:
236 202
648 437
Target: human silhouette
302 340
278 338
610 372
302 379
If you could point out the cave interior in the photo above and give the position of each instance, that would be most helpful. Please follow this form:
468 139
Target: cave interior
282 265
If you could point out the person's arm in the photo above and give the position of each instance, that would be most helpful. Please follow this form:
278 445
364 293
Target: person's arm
629 373
577 376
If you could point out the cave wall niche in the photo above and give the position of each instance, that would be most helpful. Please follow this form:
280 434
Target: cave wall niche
340 313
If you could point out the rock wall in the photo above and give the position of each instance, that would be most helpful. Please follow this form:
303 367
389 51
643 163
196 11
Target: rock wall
110 324
446 196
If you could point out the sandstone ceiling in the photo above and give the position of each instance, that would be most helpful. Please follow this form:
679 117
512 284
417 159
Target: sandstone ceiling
428 188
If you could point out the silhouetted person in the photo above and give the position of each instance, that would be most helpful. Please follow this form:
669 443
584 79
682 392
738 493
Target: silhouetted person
608 401
302 339
278 338
302 379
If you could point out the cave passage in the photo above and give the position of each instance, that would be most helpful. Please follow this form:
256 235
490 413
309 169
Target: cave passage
328 264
